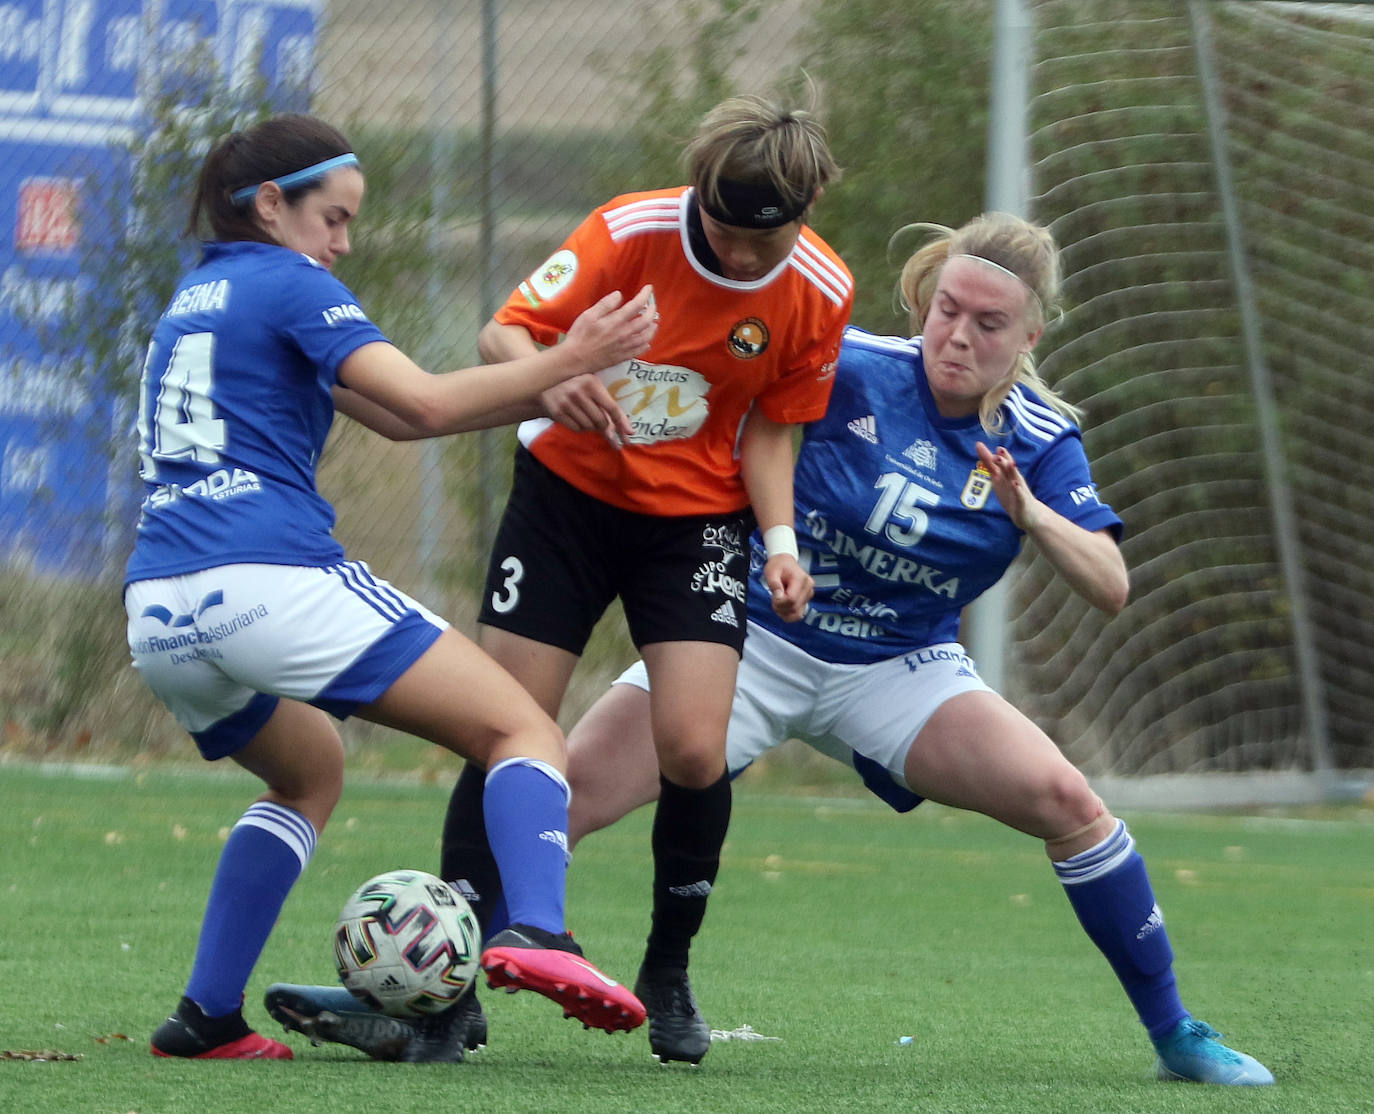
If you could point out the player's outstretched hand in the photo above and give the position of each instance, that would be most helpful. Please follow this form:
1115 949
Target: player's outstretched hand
790 585
584 405
604 335
1012 490
610 332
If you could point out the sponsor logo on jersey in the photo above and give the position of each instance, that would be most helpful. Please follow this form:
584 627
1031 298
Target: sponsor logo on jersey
866 427
886 565
848 626
860 604
977 489
220 484
1085 494
922 453
351 311
554 276
749 338
864 612
664 402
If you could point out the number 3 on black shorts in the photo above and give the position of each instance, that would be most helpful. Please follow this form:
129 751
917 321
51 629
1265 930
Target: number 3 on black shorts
508 595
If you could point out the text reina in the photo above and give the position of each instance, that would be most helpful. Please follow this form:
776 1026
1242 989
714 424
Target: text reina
210 297
204 297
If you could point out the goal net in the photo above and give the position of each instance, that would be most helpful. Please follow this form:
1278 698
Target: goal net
1208 169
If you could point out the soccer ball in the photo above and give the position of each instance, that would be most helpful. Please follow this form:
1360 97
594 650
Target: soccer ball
407 944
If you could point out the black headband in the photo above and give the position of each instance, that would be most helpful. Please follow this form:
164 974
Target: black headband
751 205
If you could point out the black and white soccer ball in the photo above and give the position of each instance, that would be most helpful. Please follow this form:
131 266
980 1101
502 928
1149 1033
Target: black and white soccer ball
407 944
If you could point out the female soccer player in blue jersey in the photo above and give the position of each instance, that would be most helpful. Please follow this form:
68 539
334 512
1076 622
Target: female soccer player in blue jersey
937 457
245 617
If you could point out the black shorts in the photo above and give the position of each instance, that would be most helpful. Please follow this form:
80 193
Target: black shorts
561 557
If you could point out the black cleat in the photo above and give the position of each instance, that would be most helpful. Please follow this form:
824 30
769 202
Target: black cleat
677 1031
328 1013
190 1035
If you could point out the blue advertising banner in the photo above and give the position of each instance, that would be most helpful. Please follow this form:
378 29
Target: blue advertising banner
75 81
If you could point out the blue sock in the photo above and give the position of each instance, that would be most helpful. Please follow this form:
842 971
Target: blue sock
1109 889
261 860
526 807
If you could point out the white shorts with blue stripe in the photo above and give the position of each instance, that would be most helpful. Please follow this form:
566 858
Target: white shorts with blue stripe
220 646
866 716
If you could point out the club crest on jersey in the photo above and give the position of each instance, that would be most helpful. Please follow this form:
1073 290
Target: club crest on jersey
921 453
977 489
553 276
749 338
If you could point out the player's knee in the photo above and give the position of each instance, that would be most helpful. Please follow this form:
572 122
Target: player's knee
314 797
536 738
694 769
1073 815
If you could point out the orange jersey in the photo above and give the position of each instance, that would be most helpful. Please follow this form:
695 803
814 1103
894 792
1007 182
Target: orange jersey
722 346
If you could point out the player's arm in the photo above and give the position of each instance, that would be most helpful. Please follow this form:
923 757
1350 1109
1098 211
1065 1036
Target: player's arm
1090 560
582 403
766 466
376 418
425 405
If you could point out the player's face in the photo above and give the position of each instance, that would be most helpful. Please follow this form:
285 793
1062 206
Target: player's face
978 325
747 254
317 224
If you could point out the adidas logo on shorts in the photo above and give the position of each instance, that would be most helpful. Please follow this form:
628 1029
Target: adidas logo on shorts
724 614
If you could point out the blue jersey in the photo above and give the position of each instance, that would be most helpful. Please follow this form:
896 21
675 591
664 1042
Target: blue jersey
896 521
234 409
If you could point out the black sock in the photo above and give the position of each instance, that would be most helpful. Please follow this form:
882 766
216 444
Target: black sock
465 858
689 831
188 1032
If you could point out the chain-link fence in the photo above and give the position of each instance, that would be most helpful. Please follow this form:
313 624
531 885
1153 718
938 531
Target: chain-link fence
487 129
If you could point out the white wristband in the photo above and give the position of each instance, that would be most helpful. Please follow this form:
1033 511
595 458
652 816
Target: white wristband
780 539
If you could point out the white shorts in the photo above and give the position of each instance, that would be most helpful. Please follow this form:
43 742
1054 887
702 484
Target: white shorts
220 646
865 716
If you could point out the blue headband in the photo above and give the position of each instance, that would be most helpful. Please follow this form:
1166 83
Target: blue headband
296 178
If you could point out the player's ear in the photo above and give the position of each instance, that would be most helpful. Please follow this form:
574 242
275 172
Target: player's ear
268 202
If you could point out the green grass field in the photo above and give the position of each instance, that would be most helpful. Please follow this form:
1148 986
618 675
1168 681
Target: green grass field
837 928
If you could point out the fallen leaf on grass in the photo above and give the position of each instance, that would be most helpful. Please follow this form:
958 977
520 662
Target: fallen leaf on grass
36 1054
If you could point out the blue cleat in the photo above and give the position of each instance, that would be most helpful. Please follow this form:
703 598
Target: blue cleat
1193 1053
